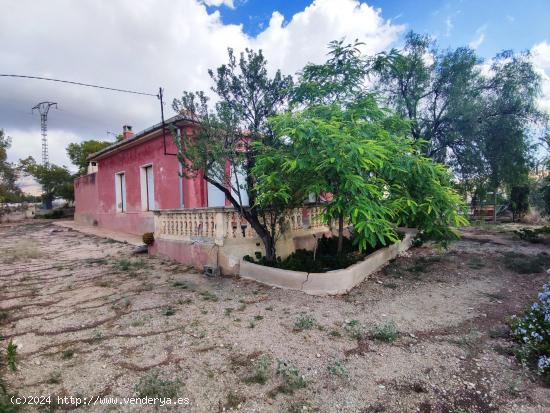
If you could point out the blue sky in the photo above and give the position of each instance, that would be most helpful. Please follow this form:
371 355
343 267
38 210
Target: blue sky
500 24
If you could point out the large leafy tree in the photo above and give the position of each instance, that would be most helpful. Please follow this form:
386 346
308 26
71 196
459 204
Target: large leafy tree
9 192
78 153
228 133
55 180
476 121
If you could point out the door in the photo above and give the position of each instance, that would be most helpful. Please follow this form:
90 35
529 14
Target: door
150 188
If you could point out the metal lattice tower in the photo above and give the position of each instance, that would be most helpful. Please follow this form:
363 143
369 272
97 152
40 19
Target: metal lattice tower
43 108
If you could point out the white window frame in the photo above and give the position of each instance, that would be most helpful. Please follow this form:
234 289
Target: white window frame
147 193
120 192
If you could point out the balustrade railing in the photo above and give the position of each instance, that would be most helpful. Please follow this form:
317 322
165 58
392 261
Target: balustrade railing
219 224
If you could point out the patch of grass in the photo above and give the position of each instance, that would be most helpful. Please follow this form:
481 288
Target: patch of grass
499 331
186 301
4 315
168 311
468 341
227 312
128 265
97 336
156 384
495 296
304 322
251 324
526 264
208 296
67 354
337 368
385 332
6 406
258 317
335 333
392 286
11 356
354 329
292 378
182 285
504 350
233 400
261 370
54 378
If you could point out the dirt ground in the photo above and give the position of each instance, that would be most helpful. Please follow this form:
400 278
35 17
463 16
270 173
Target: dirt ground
90 319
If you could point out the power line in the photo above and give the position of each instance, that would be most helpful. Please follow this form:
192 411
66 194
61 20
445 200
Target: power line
80 84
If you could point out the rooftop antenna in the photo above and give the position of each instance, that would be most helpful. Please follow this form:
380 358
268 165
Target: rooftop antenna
43 108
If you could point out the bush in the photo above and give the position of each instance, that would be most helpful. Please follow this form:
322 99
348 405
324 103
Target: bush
526 264
532 331
386 332
519 201
155 385
292 378
304 322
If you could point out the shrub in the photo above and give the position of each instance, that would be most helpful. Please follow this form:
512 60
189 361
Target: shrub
386 332
292 378
337 368
526 264
11 355
354 329
532 331
154 384
260 373
304 322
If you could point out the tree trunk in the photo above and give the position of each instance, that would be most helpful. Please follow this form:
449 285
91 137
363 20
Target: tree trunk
252 217
340 233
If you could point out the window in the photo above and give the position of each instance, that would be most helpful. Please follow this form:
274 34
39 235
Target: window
120 191
147 188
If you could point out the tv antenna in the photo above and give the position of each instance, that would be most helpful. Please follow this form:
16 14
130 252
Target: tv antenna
43 108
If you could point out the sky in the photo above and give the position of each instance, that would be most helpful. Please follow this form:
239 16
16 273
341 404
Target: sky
147 44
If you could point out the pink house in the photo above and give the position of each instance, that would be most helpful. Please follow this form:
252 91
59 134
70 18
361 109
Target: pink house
133 186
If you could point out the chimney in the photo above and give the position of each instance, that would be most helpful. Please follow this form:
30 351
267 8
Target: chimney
127 132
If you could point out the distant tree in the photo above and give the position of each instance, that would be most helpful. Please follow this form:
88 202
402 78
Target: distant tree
476 122
9 192
78 153
55 180
248 96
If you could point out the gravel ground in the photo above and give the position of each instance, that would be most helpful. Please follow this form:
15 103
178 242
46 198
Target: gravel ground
92 320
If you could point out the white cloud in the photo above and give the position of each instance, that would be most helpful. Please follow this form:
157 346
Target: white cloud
218 3
448 26
141 46
474 44
540 56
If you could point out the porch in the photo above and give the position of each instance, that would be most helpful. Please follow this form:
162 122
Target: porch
219 237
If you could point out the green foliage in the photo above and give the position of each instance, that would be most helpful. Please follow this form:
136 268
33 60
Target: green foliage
11 356
337 368
354 329
227 135
6 406
56 181
9 192
304 322
476 121
531 330
261 370
385 332
376 176
78 153
156 384
292 378
533 235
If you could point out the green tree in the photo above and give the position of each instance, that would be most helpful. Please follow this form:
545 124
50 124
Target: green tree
378 180
55 180
476 122
9 192
229 132
78 153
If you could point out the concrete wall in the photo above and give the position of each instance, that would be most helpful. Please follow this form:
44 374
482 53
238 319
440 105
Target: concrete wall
329 283
17 213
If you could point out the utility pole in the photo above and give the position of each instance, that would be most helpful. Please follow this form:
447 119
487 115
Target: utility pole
43 108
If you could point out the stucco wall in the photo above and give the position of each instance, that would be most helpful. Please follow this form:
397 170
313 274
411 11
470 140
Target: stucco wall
95 196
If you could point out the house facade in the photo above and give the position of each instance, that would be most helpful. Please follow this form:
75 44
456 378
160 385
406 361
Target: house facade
134 186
